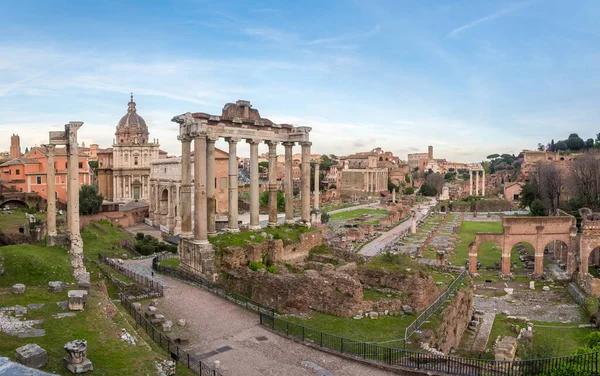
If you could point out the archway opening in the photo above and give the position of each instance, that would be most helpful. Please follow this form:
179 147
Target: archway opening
164 206
556 251
594 263
489 257
13 204
522 258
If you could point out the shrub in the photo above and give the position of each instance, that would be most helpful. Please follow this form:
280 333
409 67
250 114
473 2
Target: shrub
409 190
147 249
139 236
324 218
272 269
172 248
162 246
256 265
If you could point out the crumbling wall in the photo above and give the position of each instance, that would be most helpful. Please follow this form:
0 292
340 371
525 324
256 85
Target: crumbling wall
420 287
454 320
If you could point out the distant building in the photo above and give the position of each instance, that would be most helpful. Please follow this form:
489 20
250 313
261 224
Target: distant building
361 176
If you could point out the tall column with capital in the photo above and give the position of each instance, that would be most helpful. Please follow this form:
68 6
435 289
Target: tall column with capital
177 196
186 188
76 247
233 186
477 183
210 186
289 189
305 194
200 230
272 183
470 183
51 196
157 213
170 207
317 185
254 200
483 184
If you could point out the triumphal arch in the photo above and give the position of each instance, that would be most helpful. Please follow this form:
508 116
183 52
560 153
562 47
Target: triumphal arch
237 122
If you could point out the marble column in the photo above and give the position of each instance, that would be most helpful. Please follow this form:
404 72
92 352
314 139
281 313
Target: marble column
470 183
477 183
317 186
254 190
186 188
157 213
177 228
233 186
76 246
272 183
51 196
200 226
305 194
289 188
211 203
483 184
170 208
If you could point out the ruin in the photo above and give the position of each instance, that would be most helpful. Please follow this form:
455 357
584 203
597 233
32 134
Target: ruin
238 121
479 189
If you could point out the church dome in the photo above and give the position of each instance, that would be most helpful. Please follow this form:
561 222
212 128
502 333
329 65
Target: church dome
132 128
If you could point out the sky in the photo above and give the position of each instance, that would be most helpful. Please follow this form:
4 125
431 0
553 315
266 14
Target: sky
471 78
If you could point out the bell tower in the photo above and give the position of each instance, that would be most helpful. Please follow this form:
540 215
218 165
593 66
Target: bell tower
15 146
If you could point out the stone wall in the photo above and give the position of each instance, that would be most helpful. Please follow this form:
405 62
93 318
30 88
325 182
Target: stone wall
592 285
454 320
419 287
329 291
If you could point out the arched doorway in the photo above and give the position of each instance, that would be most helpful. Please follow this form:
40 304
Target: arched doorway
557 251
13 204
136 186
594 263
522 258
164 206
490 257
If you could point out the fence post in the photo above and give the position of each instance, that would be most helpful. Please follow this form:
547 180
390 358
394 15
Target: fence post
342 347
302 333
321 339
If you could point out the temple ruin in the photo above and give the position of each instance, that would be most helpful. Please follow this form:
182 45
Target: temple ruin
237 122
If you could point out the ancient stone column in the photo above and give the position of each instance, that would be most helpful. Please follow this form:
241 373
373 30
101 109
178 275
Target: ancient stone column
177 196
157 214
51 196
289 188
305 194
472 262
316 198
170 207
394 196
76 247
211 203
505 263
186 188
477 183
200 229
470 183
254 193
233 186
483 184
413 223
272 183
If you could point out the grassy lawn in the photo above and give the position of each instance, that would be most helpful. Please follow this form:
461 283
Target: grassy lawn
396 262
328 207
99 324
34 265
467 235
288 233
172 263
383 329
358 213
103 237
10 223
557 338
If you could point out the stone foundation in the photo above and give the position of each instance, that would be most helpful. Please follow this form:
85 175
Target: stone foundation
591 285
196 258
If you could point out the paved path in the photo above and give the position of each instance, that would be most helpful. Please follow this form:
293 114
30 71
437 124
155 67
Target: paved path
485 328
214 323
378 244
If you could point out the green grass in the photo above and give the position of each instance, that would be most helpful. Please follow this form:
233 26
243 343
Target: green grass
383 329
369 294
396 262
467 235
329 208
173 263
357 213
10 223
103 237
34 265
108 353
288 233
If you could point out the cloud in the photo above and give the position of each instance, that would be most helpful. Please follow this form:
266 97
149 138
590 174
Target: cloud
348 36
503 12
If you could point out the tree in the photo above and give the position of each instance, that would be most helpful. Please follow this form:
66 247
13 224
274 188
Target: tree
409 190
493 156
561 146
551 185
574 142
537 208
264 200
94 167
541 147
391 186
552 145
589 143
585 180
436 181
90 201
264 165
427 190
529 193
26 149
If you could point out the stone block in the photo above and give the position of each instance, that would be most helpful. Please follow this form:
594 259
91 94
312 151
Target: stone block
56 286
137 306
35 305
167 325
20 311
77 299
532 285
31 355
407 309
18 289
546 288
83 280
76 360
154 303
152 309
181 322
31 333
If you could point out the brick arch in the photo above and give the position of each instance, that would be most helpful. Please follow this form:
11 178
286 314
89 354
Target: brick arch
21 203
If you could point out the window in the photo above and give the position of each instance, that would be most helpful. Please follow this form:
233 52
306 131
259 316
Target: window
38 180
516 197
18 172
135 161
66 165
80 165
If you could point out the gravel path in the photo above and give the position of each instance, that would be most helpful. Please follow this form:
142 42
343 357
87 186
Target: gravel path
214 323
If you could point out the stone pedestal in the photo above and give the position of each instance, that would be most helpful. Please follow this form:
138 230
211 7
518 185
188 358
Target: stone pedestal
18 289
413 224
76 360
31 355
56 286
196 257
77 299
315 217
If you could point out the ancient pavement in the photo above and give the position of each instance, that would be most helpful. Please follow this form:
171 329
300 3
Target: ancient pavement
378 244
214 323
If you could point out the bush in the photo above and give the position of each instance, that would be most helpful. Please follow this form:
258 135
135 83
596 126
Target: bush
537 208
256 265
272 269
172 248
139 236
324 218
162 246
409 190
147 249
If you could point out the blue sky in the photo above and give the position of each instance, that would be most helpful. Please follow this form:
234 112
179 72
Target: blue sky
471 78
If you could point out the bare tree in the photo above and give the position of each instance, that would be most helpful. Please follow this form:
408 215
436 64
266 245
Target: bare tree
551 185
585 179
435 180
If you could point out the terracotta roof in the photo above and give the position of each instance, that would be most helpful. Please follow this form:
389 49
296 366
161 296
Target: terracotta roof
20 161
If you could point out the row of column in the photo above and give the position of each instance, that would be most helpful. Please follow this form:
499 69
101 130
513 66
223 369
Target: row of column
375 181
477 186
204 194
122 181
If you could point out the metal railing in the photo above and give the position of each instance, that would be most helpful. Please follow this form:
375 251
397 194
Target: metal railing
429 311
135 277
586 364
176 352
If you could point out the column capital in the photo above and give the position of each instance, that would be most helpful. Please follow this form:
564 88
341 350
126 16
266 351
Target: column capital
271 143
185 138
252 141
49 149
288 143
212 139
232 140
305 143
